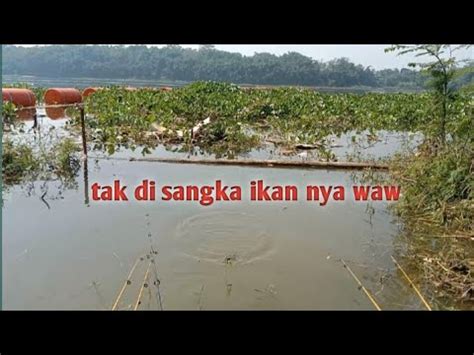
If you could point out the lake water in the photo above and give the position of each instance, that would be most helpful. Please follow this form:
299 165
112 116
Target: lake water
42 81
61 250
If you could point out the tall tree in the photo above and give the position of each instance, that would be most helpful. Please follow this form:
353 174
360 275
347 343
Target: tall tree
442 66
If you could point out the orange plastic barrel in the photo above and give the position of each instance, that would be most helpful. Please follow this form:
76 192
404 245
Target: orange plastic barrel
19 97
62 96
89 91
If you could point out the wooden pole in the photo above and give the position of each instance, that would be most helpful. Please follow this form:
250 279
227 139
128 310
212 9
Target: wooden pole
35 121
83 127
270 163
86 183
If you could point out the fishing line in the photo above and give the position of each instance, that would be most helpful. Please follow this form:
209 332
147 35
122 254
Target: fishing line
155 270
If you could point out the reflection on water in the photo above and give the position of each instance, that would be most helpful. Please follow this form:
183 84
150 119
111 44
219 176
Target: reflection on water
243 255
345 148
26 114
84 82
55 113
63 251
349 146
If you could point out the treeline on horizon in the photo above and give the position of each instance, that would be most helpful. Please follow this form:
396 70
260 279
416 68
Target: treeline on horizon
175 63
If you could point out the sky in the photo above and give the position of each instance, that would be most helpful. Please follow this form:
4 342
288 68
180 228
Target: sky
367 55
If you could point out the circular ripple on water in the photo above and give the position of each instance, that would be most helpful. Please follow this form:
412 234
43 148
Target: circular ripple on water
224 238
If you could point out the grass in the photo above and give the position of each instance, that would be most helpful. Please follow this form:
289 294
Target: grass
437 209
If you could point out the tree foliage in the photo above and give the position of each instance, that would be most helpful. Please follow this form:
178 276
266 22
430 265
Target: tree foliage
206 63
443 68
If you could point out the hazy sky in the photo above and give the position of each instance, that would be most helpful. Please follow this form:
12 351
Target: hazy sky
367 55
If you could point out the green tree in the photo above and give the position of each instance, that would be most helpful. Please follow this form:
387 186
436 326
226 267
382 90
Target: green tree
443 67
174 62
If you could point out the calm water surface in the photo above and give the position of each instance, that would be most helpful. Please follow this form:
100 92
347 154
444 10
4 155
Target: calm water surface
63 251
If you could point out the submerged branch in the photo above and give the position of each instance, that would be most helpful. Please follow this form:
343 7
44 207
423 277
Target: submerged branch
270 163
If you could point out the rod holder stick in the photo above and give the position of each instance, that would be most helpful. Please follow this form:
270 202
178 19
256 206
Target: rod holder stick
83 128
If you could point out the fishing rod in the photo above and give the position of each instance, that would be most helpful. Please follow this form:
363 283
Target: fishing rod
143 286
426 304
369 296
127 282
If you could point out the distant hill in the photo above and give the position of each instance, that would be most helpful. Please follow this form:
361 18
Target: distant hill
174 63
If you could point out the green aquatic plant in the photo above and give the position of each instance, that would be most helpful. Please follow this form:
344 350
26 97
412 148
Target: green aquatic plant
434 185
18 161
437 206
118 116
8 112
226 140
67 162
